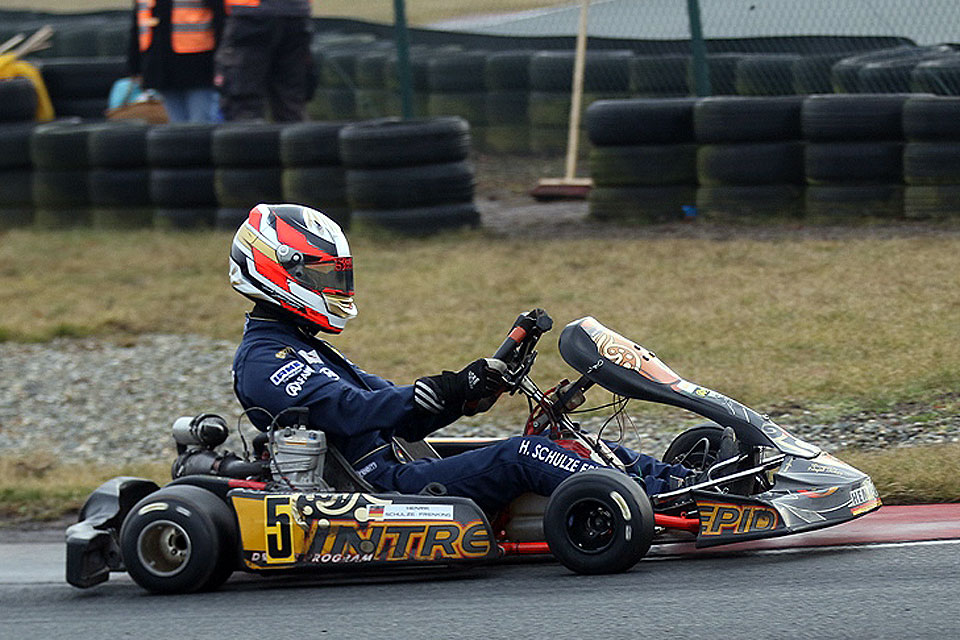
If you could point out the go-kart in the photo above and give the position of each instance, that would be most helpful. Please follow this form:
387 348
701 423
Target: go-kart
295 504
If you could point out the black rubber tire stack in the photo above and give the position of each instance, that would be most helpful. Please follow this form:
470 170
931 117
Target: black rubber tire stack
16 175
659 76
507 83
336 69
723 74
372 98
643 162
750 158
854 156
457 88
119 176
247 170
931 157
420 58
894 76
606 76
113 39
61 193
765 75
409 176
811 73
18 100
845 73
182 176
940 76
80 86
313 174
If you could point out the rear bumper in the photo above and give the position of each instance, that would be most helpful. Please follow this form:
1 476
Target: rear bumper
93 549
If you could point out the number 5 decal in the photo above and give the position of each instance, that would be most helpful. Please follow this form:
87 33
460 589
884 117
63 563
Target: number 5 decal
278 529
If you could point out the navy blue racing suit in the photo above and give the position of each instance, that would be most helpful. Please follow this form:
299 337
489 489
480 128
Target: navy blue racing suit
278 366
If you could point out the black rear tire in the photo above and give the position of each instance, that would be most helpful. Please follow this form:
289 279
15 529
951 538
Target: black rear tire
179 539
598 521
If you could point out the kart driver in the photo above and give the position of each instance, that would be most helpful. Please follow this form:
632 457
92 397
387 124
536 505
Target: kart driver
295 264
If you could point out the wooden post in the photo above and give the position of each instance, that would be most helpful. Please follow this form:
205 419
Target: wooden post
569 186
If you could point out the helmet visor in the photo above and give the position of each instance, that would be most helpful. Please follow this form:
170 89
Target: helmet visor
329 275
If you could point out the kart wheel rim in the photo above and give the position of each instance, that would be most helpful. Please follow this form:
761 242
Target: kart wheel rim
590 526
164 548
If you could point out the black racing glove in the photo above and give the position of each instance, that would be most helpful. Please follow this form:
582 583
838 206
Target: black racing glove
480 380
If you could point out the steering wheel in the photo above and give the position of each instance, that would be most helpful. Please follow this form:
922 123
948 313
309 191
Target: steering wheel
522 339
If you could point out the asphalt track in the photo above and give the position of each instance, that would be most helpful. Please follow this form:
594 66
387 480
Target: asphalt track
891 574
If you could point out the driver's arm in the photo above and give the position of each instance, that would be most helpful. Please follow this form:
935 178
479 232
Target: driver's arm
335 406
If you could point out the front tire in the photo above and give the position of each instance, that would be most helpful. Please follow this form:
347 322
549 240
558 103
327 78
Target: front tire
696 448
598 521
179 539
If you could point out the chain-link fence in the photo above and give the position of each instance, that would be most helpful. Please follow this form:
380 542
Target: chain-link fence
506 65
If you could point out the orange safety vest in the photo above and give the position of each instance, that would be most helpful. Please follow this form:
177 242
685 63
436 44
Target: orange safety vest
230 4
145 22
191 25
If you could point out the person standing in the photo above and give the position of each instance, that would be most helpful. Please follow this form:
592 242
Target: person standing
265 58
172 51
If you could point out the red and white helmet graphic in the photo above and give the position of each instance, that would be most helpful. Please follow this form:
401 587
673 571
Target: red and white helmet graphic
298 259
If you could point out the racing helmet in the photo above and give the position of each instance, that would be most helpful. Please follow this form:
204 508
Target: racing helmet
297 259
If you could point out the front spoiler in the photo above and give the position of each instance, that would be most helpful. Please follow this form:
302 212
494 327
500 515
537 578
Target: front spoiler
808 494
92 547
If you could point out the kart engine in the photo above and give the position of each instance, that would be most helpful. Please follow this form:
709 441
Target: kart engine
294 455
298 456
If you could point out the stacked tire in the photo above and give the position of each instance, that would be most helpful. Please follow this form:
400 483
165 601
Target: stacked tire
665 76
372 98
457 88
60 156
643 160
765 75
16 175
812 73
313 174
119 177
750 158
420 58
895 76
80 86
931 157
18 100
846 74
409 176
940 76
606 76
854 156
507 83
182 176
723 74
247 170
336 68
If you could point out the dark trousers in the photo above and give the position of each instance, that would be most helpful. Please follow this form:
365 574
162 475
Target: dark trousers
265 60
496 474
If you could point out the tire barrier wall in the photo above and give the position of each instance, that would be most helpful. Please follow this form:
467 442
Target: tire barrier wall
356 72
410 176
822 158
405 176
644 164
931 157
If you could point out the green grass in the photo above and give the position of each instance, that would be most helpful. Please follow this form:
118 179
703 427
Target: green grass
38 488
911 475
865 322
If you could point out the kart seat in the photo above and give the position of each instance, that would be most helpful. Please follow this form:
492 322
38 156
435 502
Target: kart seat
338 473
407 451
